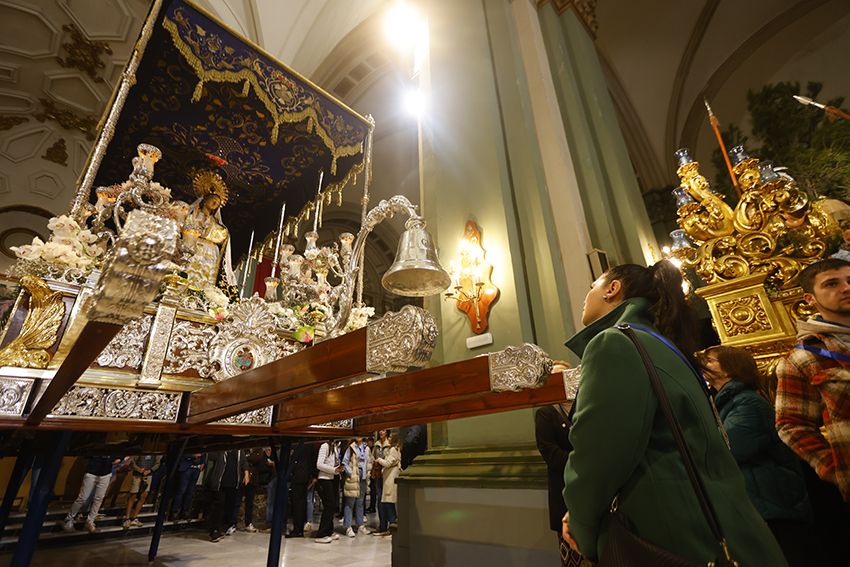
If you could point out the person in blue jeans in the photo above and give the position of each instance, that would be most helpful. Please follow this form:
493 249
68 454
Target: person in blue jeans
381 445
355 463
188 470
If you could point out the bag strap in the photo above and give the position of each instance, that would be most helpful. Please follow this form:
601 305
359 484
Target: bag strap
824 353
664 403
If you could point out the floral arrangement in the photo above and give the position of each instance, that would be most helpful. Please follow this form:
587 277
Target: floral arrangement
359 318
218 302
303 321
68 246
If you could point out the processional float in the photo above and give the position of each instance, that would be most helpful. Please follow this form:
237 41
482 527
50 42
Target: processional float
131 319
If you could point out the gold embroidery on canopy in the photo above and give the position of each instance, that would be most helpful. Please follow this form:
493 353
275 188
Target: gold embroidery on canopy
249 74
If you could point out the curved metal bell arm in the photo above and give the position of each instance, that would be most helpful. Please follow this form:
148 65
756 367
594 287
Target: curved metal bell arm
381 212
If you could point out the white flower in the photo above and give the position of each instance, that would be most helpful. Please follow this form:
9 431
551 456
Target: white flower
63 226
359 318
95 250
29 251
57 252
216 297
69 241
86 236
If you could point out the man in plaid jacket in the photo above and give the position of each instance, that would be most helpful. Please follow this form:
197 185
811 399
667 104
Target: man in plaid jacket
813 391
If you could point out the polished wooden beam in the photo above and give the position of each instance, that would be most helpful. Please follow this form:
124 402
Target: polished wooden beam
325 363
91 341
491 402
444 382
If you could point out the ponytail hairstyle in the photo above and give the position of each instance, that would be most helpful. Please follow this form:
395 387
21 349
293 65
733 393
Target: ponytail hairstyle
661 285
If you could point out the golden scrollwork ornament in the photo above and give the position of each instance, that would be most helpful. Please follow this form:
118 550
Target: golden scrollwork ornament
774 229
40 329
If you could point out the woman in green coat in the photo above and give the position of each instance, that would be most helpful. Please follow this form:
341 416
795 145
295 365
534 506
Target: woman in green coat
623 446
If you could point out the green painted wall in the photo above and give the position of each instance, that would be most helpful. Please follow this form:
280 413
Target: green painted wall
611 197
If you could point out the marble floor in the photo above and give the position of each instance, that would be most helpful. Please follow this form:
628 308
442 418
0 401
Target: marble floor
192 548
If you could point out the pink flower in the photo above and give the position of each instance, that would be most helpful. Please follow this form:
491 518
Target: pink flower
304 334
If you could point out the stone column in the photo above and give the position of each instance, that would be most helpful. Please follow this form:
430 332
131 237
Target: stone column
497 150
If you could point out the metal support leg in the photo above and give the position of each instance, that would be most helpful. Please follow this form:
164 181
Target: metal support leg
281 497
172 457
22 466
39 501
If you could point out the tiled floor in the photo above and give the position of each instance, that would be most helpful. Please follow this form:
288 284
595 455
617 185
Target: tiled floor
241 549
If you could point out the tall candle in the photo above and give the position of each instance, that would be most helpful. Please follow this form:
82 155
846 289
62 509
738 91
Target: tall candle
247 266
279 237
318 202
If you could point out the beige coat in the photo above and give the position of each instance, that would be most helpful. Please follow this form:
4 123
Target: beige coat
390 462
352 481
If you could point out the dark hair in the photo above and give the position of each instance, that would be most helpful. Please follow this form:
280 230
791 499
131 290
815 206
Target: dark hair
661 285
808 275
739 364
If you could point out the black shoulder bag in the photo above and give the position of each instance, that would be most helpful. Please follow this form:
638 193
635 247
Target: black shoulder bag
624 548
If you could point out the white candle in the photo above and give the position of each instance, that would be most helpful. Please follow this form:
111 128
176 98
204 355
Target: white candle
247 266
279 237
318 202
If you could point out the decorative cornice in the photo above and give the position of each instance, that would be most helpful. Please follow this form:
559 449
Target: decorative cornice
585 10
519 466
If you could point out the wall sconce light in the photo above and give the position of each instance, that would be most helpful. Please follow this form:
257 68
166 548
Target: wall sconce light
471 285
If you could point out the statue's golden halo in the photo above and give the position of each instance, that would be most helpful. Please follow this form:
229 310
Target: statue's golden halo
208 182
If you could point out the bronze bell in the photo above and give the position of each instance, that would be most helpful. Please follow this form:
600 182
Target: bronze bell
416 271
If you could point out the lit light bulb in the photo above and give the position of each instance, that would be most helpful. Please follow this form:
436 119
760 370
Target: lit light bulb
403 27
415 103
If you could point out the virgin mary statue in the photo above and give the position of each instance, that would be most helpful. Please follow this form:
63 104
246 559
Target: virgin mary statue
207 237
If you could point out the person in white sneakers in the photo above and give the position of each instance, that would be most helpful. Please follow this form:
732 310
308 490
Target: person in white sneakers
328 465
390 469
95 481
356 465
143 467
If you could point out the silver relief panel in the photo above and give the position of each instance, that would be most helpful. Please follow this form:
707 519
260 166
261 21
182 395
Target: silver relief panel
114 403
518 368
127 348
262 416
400 340
13 395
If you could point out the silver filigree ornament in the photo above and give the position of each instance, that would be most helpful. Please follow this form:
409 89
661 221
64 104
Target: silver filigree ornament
117 403
13 395
189 348
341 424
400 340
245 340
572 380
262 416
127 348
518 368
134 268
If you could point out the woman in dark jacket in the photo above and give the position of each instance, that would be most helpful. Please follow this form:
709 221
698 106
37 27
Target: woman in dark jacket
552 432
772 472
624 448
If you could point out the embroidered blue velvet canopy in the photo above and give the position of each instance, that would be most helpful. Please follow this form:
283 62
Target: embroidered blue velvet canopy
211 100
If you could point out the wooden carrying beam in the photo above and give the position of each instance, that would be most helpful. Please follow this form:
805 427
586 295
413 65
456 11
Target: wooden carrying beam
491 402
447 381
324 363
88 345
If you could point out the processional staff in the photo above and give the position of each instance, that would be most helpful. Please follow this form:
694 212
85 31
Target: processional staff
830 110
